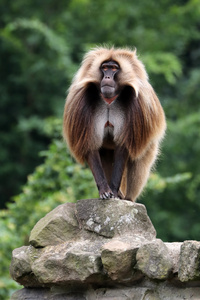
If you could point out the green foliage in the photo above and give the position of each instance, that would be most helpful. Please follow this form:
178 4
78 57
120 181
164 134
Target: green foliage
163 63
31 88
41 45
58 180
175 211
39 32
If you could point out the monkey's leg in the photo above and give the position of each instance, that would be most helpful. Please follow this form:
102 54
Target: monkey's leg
120 160
138 172
107 160
94 162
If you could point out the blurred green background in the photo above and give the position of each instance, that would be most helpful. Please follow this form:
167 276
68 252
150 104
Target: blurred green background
41 46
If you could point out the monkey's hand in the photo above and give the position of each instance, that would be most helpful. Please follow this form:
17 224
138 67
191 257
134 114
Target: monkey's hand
106 193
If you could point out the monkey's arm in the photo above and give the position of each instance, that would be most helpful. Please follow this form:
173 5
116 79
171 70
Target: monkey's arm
94 161
120 160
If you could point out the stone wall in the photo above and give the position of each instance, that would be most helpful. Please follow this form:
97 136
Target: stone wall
104 249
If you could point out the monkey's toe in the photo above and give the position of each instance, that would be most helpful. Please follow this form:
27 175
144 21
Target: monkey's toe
106 195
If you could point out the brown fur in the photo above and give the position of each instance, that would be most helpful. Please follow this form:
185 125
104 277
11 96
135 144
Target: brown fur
144 120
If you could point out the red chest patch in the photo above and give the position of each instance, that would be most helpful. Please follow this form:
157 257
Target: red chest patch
109 100
108 124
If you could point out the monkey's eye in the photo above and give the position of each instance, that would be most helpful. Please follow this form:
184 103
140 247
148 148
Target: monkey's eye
105 68
109 66
114 68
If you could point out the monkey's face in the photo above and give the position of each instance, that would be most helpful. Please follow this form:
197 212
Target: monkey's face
109 86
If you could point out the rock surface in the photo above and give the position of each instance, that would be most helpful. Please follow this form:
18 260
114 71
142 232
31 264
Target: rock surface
83 242
56 227
154 261
115 218
162 292
118 259
189 268
104 249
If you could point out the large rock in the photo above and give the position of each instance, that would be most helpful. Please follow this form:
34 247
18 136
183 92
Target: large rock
174 253
115 218
21 267
104 249
149 292
189 268
119 259
56 227
67 263
153 260
84 242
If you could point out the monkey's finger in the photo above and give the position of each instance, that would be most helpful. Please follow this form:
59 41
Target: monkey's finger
106 195
111 195
103 196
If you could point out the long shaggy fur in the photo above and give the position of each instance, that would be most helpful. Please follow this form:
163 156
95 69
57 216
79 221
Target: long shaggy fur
144 124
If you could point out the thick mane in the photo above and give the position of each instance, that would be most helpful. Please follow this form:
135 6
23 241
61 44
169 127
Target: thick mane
143 123
145 117
132 72
79 122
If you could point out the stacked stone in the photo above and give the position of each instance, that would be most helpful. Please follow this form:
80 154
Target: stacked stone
98 249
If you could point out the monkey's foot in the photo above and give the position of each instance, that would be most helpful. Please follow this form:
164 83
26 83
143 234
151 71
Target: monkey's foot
109 195
106 195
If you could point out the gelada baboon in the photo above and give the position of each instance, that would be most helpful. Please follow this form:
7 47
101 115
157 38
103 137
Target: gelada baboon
114 121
